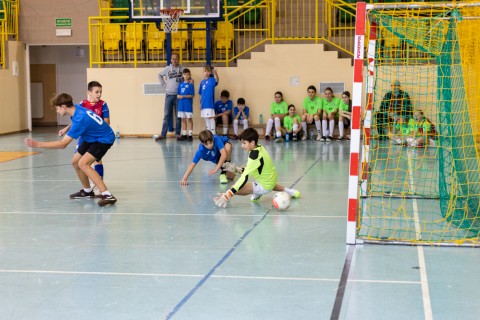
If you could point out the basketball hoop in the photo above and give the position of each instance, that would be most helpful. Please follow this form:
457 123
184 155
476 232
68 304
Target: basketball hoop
170 19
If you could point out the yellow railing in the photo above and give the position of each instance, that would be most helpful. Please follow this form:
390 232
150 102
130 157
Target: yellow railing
8 25
255 23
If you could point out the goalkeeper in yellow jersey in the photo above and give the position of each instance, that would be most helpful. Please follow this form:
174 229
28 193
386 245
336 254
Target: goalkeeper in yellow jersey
259 166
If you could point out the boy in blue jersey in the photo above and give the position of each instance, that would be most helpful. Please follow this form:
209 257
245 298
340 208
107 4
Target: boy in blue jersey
216 149
223 111
100 107
240 114
207 93
186 92
97 137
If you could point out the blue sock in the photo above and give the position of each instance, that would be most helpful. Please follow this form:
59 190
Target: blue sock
99 169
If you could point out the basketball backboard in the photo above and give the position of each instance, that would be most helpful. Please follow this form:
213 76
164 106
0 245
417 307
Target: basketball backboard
149 10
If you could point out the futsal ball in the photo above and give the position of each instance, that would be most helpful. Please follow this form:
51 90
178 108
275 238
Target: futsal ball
281 200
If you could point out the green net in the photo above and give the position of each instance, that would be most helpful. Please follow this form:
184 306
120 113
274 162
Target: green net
422 181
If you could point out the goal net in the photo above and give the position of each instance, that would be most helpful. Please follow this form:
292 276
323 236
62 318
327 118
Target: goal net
419 180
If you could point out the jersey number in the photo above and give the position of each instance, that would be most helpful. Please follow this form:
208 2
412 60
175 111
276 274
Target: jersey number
95 117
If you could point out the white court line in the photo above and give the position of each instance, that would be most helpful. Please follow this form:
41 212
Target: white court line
178 275
427 305
162 214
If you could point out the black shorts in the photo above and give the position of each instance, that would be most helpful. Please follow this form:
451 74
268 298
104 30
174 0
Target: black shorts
220 120
96 149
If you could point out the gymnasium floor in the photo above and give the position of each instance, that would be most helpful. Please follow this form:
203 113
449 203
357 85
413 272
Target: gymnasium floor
166 252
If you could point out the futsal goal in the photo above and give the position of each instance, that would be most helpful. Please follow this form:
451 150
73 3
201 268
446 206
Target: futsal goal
419 82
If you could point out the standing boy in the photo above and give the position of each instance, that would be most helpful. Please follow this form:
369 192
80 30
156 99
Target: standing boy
100 107
260 166
216 149
186 92
97 137
207 93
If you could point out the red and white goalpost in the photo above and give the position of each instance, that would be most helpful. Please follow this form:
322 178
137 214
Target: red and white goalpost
357 93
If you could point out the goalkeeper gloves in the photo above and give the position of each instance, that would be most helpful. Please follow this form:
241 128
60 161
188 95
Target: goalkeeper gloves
231 167
223 198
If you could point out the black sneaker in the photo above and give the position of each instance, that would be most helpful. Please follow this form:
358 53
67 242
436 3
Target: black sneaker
267 137
190 138
82 194
181 138
159 138
106 200
235 137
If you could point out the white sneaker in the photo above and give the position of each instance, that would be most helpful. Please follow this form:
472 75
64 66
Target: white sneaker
304 137
318 137
255 197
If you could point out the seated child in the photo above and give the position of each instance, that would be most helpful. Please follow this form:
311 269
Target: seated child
240 114
414 133
223 111
259 166
292 123
216 149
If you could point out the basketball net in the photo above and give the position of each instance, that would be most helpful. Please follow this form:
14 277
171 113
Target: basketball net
170 19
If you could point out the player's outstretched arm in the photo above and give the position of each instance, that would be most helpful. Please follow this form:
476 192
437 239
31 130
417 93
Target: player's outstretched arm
221 161
190 168
59 144
64 130
223 198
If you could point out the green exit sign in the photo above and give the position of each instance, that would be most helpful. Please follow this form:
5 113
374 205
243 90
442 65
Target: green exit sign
63 22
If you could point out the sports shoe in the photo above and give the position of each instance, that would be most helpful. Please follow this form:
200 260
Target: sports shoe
296 194
304 137
190 138
235 137
323 139
319 137
267 137
82 194
294 138
159 138
106 200
255 197
279 139
329 138
223 178
181 138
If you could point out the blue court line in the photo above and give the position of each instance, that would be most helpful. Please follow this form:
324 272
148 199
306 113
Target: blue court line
219 263
227 255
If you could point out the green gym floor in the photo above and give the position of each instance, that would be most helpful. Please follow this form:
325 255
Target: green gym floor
166 252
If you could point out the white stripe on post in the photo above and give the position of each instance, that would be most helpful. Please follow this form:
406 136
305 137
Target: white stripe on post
359 48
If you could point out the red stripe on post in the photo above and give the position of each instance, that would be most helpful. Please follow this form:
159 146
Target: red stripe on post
356 116
352 210
358 71
354 164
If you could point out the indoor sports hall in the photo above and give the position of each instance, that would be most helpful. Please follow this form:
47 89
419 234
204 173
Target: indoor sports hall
166 252
386 226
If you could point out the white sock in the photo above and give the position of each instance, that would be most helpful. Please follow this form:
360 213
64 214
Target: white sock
325 129
245 124
212 125
340 127
184 132
279 134
332 127
235 127
106 193
291 192
318 126
278 125
190 132
269 127
295 128
87 190
225 130
304 126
